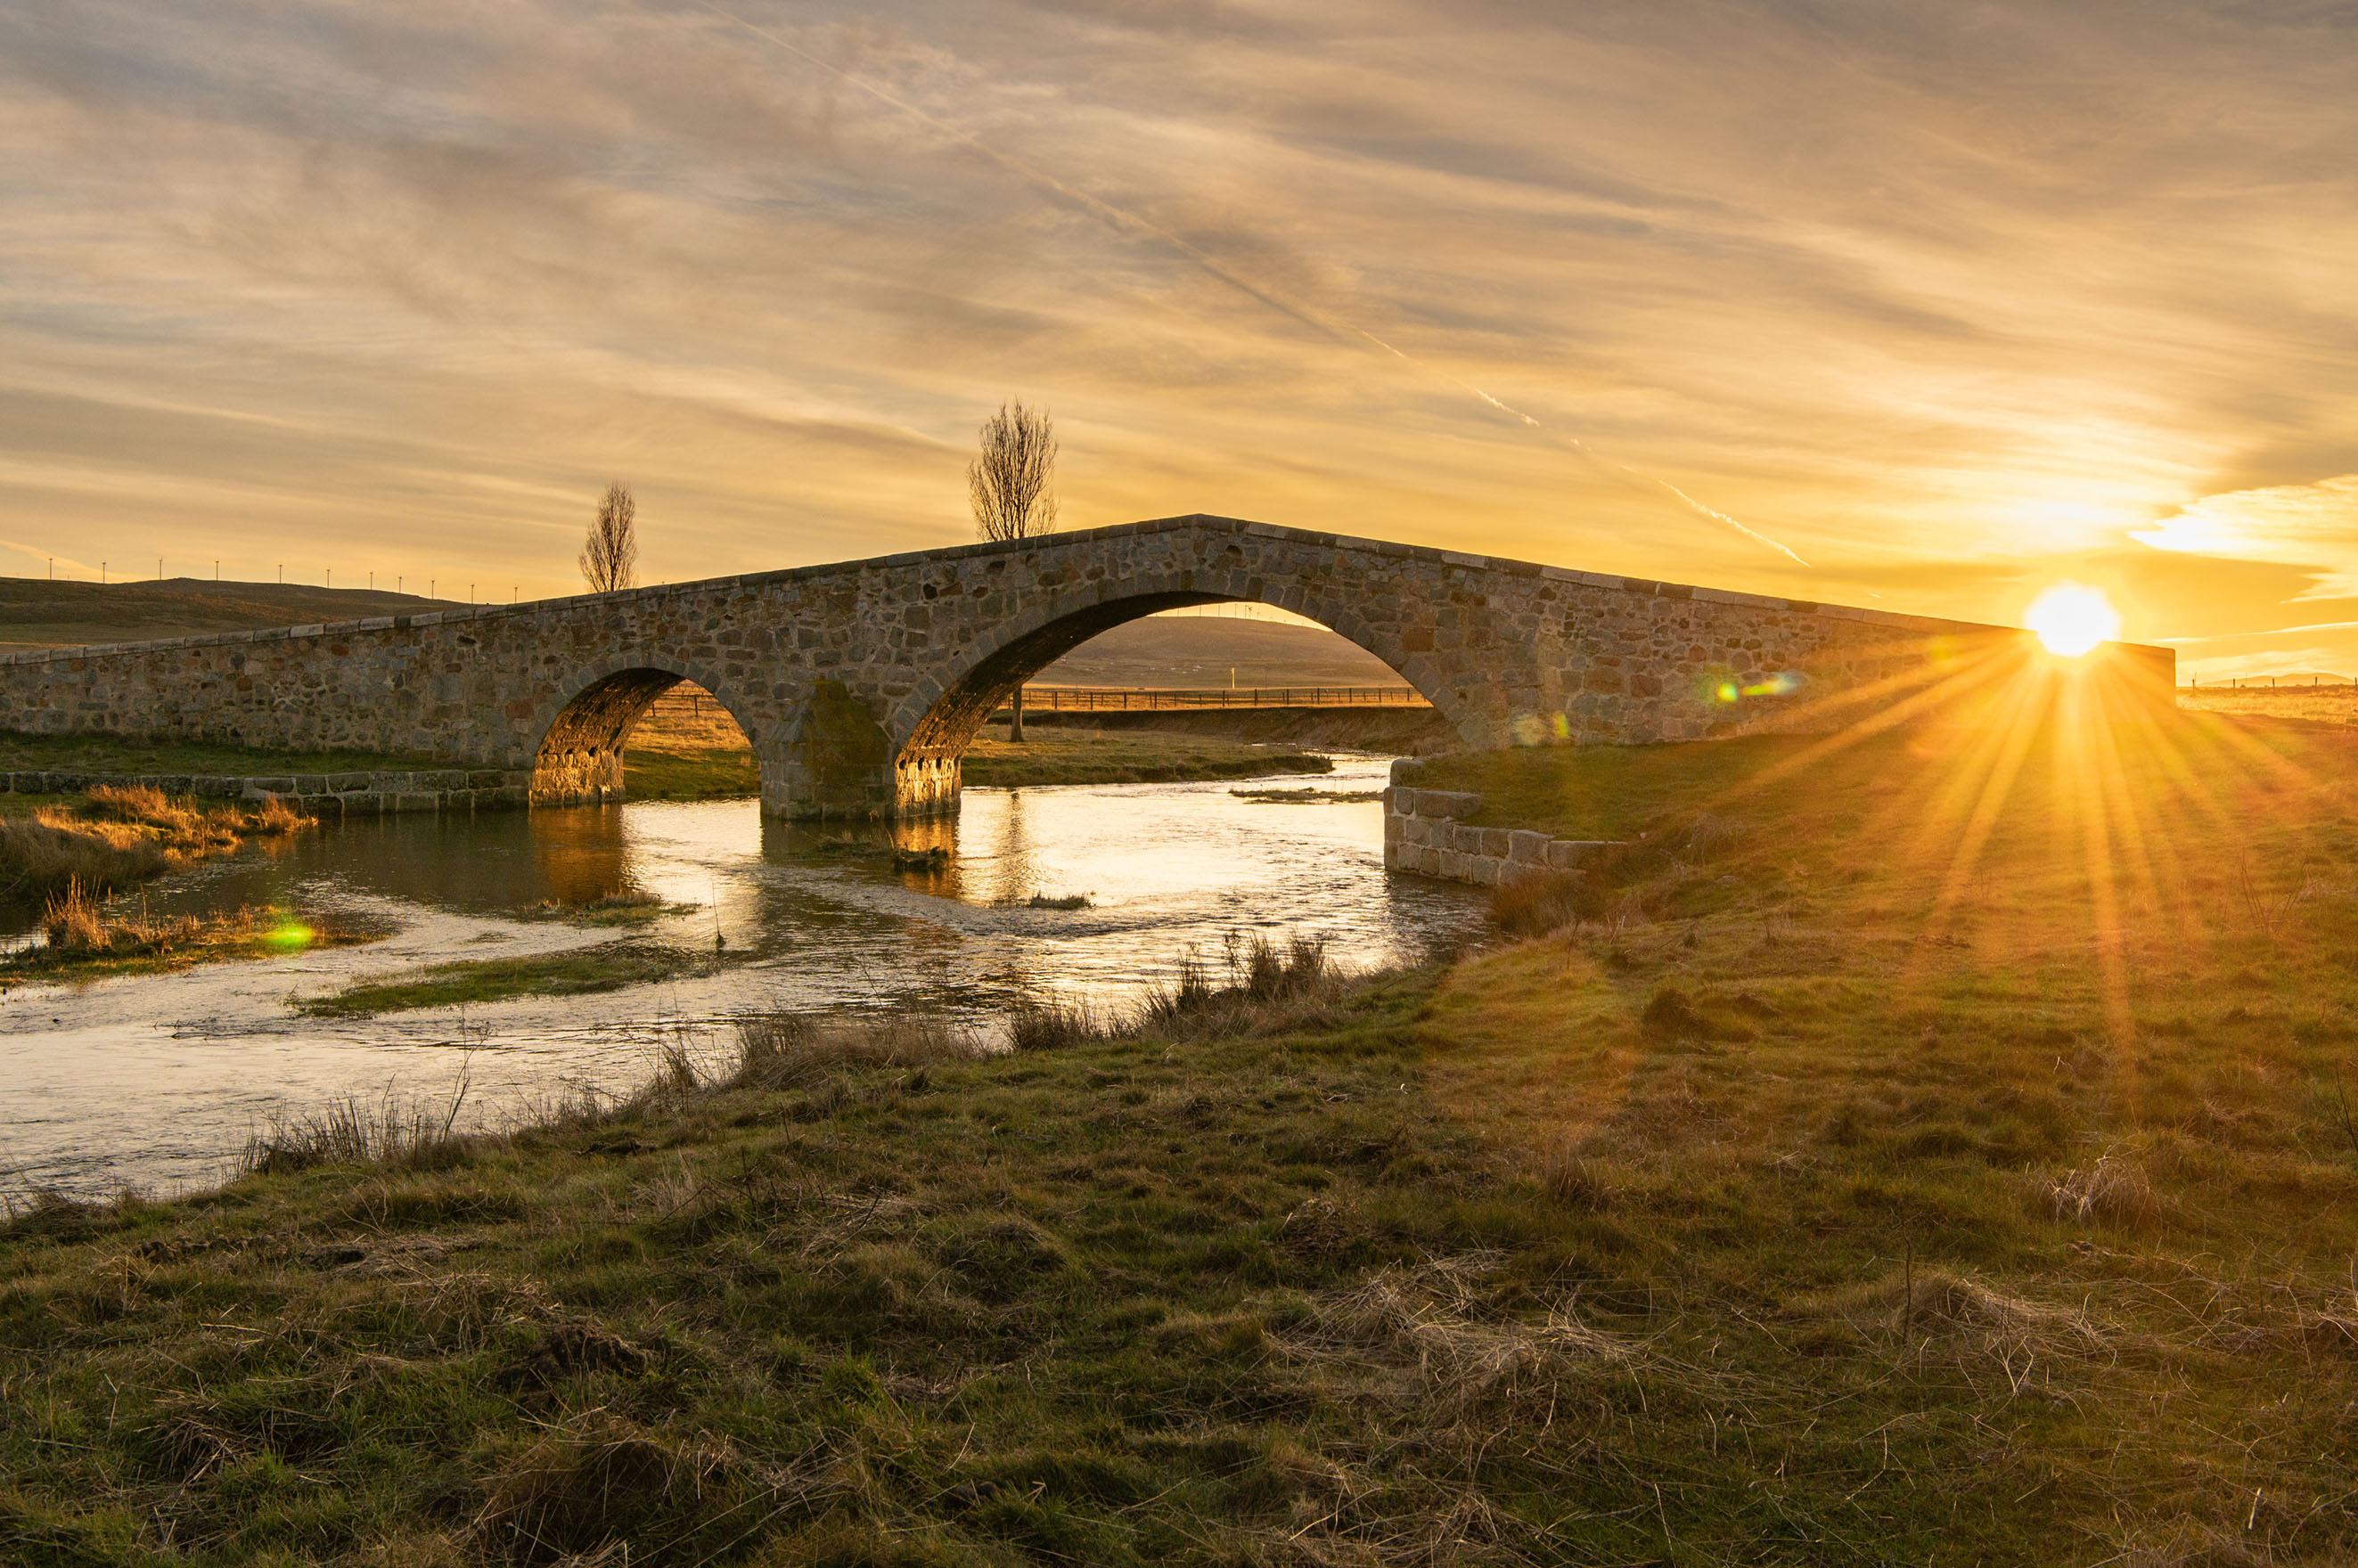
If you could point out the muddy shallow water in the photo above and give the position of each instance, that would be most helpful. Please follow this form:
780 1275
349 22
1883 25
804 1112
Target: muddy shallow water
157 1080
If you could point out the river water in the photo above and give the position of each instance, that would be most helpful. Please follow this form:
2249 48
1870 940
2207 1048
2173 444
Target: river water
156 1081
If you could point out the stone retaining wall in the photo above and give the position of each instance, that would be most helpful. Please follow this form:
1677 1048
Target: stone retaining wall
1425 831
314 795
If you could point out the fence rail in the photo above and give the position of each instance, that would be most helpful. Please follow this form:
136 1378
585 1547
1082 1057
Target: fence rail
1129 699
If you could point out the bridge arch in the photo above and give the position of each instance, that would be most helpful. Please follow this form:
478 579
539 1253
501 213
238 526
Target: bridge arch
586 725
929 730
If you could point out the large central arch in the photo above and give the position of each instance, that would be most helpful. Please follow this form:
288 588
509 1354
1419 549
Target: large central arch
929 731
580 758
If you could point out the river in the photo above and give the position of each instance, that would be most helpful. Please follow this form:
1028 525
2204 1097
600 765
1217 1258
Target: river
157 1081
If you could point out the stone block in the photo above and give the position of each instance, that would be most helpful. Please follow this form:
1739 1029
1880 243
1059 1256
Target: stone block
311 783
1525 848
1453 864
1447 803
1405 769
1415 829
443 779
414 800
1396 829
1482 870
346 783
361 802
485 778
1495 842
270 785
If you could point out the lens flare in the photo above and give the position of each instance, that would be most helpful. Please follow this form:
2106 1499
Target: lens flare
289 935
2072 618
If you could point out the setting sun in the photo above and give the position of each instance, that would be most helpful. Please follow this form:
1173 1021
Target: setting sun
2072 618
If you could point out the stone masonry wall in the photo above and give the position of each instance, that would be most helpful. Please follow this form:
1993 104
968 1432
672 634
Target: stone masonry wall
1424 831
861 684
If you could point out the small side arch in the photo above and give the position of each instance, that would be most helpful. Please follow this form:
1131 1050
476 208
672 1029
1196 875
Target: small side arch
585 726
931 727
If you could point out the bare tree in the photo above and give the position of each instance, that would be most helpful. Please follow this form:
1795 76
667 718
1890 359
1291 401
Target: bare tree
610 557
1009 485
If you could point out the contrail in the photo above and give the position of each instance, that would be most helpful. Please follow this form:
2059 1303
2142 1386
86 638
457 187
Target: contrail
71 564
1126 222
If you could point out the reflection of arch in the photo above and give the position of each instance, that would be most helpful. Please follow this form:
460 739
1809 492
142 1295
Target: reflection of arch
934 723
589 721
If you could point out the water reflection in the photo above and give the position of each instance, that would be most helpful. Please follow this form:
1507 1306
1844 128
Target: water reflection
152 1078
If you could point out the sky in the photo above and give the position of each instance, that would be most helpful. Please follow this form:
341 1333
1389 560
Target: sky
1924 306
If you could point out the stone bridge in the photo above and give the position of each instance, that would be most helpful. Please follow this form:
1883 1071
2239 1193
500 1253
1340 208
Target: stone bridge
862 683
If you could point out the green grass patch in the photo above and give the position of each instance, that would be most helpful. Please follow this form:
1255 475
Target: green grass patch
701 773
138 946
606 968
124 754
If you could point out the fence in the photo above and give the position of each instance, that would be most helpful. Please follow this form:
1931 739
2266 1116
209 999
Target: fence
1132 700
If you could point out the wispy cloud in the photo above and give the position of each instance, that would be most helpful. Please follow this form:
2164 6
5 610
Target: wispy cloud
2300 525
1905 289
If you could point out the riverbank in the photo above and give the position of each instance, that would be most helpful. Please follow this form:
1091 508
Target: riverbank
110 839
1910 1152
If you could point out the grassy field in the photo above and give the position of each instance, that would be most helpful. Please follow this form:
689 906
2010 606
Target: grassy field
1926 1148
118 754
2320 703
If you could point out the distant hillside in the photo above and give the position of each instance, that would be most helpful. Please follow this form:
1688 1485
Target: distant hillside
1199 651
37 614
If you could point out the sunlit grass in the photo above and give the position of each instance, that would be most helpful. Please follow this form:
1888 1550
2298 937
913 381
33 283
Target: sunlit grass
1936 1147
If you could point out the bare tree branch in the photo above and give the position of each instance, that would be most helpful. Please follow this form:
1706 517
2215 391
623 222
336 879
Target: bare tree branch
610 557
1009 482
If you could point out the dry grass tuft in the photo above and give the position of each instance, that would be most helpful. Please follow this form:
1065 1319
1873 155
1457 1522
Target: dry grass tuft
2114 1191
1434 1318
355 1132
1056 1025
596 1482
789 1051
1270 989
41 857
70 918
276 819
1575 1181
1541 903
